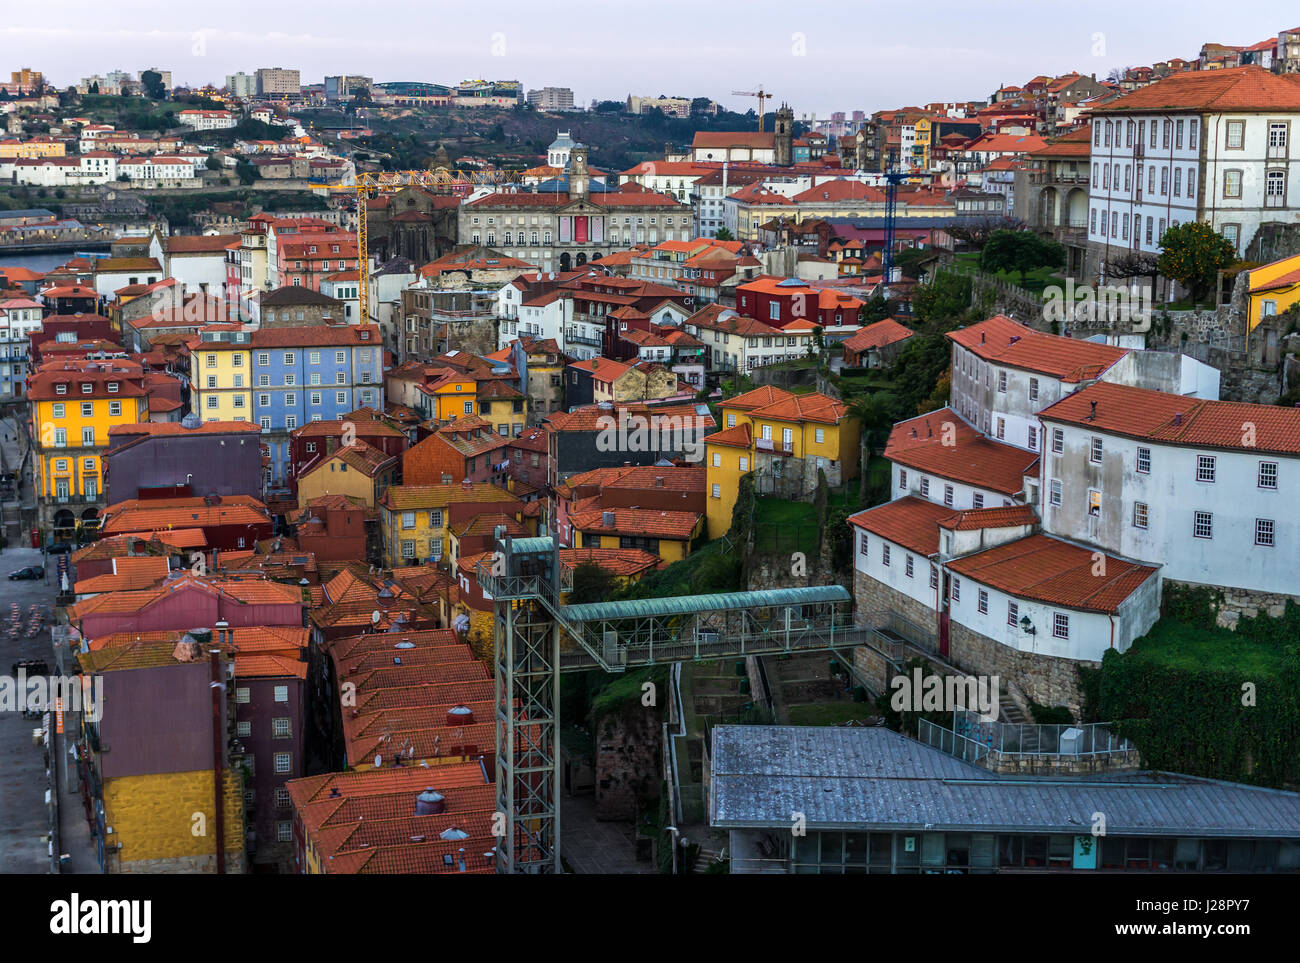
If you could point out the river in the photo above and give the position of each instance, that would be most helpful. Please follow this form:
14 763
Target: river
43 262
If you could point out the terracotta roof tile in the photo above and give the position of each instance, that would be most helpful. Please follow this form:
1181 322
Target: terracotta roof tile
969 457
910 522
1003 341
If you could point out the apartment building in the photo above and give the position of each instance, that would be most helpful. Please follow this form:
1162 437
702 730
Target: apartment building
278 82
1209 146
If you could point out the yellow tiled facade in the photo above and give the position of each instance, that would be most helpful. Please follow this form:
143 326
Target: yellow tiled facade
164 822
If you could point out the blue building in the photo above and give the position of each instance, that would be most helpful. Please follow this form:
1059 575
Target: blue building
317 373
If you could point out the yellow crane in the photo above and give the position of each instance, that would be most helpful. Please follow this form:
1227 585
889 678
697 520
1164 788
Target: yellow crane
441 179
761 95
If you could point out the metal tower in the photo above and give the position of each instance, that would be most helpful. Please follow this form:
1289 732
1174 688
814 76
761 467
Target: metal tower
892 179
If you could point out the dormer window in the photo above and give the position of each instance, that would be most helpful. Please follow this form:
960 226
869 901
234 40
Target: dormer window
60 389
112 387
87 387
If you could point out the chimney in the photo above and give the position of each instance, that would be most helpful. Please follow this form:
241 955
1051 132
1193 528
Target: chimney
1178 416
981 337
659 481
1014 339
466 484
1092 414
223 632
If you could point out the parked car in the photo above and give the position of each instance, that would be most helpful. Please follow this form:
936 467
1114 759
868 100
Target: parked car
61 548
23 574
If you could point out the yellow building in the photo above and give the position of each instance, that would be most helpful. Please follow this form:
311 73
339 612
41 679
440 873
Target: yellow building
448 397
13 149
669 535
922 143
360 471
415 519
504 407
789 439
72 405
221 375
1274 287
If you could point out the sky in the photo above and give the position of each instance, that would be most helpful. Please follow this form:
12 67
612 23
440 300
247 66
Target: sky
818 56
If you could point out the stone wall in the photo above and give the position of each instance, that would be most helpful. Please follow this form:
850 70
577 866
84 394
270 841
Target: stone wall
629 753
1044 679
1238 603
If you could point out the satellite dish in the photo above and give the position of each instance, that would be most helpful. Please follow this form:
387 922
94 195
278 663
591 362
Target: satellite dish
374 617
379 761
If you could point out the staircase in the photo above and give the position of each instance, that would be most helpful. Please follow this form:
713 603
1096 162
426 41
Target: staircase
704 859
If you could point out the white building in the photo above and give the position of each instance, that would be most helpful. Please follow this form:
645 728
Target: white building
96 167
1200 486
241 85
207 119
158 170
1212 146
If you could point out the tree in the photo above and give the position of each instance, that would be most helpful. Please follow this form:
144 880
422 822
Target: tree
975 232
1192 254
1021 252
591 583
876 309
910 259
700 105
94 87
153 85
610 106
722 234
212 163
946 298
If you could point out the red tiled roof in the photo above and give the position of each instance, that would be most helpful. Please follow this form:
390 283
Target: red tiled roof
1232 89
1003 516
807 407
1005 342
650 522
910 522
1049 570
1177 420
878 335
737 437
969 457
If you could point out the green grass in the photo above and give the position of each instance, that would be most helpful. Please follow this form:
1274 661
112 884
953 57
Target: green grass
784 526
830 713
1181 646
1035 280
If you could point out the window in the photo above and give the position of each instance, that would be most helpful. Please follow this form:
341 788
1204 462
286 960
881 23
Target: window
1055 496
1144 461
87 409
1002 428
956 590
820 435
1236 136
884 554
1232 183
977 500
1205 468
242 695
925 487
1268 475
717 459
907 566
717 491
58 410
290 422
1094 451
982 602
1058 441
282 799
114 408
264 401
1139 514
947 495
1275 189
934 576
1264 532
408 519
284 762
1060 625
902 479
280 728
1002 381
210 361
744 463
1033 438
1013 613
1094 502
862 543
1203 525
1033 389
408 549
243 729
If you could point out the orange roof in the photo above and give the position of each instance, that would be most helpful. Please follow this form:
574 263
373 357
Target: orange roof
134 515
1232 89
1003 516
1006 342
737 437
969 457
651 522
910 522
1177 420
808 407
1049 570
878 335
759 397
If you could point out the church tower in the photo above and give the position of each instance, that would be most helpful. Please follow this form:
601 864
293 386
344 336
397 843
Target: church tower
783 129
579 179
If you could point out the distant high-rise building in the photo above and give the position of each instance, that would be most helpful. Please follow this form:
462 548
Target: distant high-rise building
241 84
27 78
551 98
278 81
345 86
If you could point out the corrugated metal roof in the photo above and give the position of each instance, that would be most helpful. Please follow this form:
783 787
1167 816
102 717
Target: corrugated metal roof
846 778
520 546
687 605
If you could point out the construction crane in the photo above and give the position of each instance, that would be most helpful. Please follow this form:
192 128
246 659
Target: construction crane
761 95
441 179
892 179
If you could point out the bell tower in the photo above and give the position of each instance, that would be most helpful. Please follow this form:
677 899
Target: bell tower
579 178
783 130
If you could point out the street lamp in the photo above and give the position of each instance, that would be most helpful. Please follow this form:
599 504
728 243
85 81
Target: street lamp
1026 626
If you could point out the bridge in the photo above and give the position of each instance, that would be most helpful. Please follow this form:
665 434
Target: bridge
537 638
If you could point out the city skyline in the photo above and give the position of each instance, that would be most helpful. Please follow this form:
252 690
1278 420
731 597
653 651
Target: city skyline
720 55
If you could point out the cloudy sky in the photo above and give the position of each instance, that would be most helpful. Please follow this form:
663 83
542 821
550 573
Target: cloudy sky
818 55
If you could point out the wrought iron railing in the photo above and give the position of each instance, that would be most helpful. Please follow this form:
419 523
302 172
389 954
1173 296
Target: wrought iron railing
994 744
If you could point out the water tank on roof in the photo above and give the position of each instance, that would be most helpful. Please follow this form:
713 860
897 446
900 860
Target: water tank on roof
460 716
430 803
191 421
